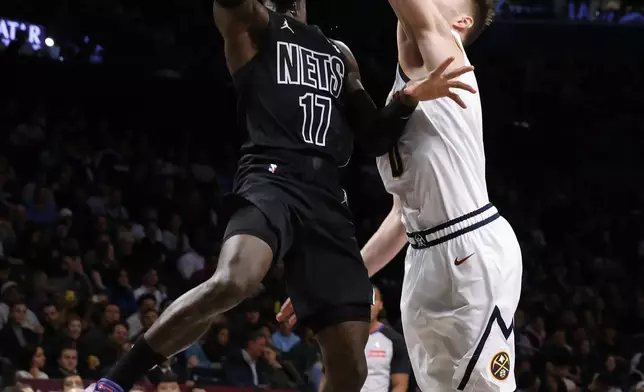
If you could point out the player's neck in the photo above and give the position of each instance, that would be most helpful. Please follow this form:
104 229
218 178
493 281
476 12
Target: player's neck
375 325
300 17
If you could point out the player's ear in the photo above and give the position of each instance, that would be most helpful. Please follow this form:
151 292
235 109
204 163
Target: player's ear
463 23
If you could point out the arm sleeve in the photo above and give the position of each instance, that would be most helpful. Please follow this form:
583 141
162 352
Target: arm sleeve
377 130
400 360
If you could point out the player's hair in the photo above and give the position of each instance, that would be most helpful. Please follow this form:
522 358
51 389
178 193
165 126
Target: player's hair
483 16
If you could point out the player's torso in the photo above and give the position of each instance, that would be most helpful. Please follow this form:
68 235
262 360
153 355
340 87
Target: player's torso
438 167
290 93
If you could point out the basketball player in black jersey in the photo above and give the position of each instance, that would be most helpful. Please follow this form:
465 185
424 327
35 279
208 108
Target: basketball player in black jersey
302 103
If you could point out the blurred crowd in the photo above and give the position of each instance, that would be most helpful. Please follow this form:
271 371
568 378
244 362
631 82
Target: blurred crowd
109 210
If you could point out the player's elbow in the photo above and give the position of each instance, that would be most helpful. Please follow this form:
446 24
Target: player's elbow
399 382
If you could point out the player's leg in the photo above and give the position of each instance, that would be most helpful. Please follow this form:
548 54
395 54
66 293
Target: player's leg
245 258
489 364
342 347
331 293
425 309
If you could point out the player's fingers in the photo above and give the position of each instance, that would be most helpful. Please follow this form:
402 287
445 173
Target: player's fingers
460 85
458 72
441 68
285 311
292 320
410 90
457 99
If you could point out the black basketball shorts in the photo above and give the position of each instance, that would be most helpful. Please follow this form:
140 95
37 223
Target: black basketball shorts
308 226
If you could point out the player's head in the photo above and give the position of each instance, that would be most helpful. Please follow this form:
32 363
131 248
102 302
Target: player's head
468 17
294 8
376 307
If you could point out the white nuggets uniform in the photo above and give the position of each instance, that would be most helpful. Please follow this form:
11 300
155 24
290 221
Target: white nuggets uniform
463 268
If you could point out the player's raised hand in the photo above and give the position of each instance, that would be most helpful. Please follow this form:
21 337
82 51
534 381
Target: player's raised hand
287 313
439 84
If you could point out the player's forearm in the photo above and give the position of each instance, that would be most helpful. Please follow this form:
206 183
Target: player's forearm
378 130
401 387
386 242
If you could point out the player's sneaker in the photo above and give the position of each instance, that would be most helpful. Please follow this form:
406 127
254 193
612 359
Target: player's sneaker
104 385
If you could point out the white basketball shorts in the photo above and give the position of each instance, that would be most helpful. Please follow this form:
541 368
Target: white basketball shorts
461 289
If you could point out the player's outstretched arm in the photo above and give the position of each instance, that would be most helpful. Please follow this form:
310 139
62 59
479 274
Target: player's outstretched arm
422 21
386 242
237 21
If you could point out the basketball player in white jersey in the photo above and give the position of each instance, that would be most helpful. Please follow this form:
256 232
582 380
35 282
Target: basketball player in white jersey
463 267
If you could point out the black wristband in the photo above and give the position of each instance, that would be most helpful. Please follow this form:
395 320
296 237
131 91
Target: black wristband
230 3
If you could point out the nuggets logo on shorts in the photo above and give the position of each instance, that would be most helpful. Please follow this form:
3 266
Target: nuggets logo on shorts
500 366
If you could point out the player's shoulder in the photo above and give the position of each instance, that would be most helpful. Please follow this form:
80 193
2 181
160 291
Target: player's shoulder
390 333
346 52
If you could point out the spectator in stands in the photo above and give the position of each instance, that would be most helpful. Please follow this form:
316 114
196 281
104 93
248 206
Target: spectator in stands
175 239
43 208
171 369
280 374
284 338
122 294
305 356
98 340
51 322
149 317
167 383
249 320
246 367
72 332
196 356
114 208
150 286
216 346
32 364
14 337
387 361
149 251
111 316
67 363
11 295
72 383
105 272
76 280
135 322
41 292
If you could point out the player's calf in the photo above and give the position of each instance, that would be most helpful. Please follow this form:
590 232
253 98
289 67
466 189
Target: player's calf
345 366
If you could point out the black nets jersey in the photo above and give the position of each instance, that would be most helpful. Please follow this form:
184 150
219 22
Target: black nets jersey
289 94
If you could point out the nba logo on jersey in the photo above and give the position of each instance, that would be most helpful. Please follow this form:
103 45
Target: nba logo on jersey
272 168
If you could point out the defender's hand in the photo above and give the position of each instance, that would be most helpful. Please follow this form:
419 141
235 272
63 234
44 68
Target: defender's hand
287 313
439 83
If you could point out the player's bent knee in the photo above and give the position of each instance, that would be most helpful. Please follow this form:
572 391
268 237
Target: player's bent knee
242 265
